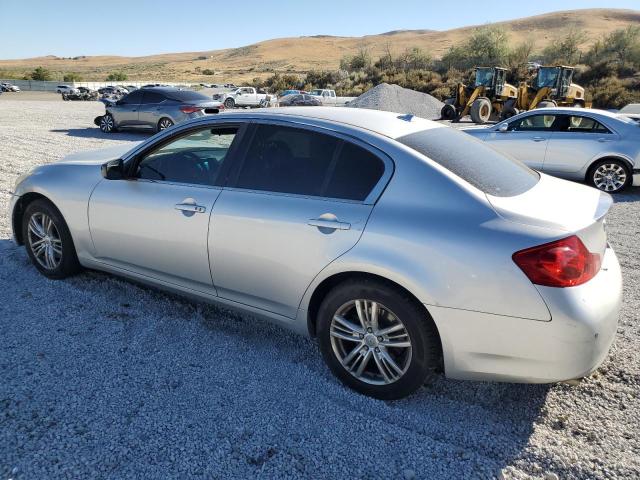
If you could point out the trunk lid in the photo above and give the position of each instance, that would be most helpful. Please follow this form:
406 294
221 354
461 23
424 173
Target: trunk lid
560 205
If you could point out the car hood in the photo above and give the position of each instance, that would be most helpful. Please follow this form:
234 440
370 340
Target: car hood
98 157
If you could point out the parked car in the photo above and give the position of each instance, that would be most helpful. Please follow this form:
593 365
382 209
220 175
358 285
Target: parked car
112 90
155 108
328 97
631 111
243 97
66 89
401 244
585 145
284 93
83 93
8 87
299 101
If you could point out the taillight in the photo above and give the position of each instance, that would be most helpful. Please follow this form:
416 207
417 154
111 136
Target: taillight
190 109
563 263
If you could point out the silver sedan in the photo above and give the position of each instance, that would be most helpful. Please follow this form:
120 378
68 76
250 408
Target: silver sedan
586 145
404 246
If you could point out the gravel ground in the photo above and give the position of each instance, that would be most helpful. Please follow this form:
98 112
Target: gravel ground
394 98
101 378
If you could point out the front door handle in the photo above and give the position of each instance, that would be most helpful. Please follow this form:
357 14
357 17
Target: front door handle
538 139
190 207
329 224
602 140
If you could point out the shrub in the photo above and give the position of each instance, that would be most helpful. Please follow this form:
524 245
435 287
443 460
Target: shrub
72 77
41 74
117 77
208 71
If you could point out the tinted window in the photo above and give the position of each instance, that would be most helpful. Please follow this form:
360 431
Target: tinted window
473 160
532 123
287 160
186 96
132 98
355 173
152 97
194 158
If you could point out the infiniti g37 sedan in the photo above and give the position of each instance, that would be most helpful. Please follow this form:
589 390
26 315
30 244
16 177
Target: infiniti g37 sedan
404 246
592 146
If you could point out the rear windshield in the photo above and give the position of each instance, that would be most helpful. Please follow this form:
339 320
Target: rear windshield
473 160
186 96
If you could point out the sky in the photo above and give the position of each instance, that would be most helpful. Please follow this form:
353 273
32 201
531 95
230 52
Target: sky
30 28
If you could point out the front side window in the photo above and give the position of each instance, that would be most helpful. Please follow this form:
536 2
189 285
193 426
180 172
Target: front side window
532 123
194 158
304 162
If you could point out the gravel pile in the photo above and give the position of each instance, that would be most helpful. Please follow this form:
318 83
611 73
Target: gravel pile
101 378
393 98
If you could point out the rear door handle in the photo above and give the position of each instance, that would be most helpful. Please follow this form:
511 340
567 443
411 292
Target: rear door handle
190 207
538 139
330 224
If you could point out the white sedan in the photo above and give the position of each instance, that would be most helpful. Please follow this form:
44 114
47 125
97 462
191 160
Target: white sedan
586 145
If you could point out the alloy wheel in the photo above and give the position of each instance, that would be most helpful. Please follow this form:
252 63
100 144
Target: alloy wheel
164 124
609 177
370 342
106 123
44 241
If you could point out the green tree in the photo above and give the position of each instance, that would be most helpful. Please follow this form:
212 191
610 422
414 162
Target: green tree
488 46
624 43
41 74
567 50
72 77
117 77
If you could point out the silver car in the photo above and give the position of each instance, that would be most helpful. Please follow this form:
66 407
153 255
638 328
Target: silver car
586 145
156 109
403 245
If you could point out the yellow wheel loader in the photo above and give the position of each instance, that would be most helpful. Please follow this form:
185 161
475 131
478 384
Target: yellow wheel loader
552 87
490 96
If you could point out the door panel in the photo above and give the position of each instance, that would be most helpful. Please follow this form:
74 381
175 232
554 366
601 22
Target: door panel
155 229
528 147
263 251
126 115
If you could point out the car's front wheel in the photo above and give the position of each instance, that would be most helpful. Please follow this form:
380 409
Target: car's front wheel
609 175
48 240
229 103
377 340
107 124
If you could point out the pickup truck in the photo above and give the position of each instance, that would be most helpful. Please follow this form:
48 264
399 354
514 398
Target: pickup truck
244 97
328 97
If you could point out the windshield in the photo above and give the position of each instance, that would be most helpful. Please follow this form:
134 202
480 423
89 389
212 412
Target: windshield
484 77
547 77
473 160
317 91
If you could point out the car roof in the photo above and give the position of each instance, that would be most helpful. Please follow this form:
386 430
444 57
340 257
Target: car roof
388 124
573 110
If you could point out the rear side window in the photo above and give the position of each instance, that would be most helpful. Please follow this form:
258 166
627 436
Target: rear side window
304 162
132 98
355 173
585 124
473 160
152 97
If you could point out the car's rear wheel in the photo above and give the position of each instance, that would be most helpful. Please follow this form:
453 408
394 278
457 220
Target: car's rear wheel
164 123
48 240
107 124
609 175
377 340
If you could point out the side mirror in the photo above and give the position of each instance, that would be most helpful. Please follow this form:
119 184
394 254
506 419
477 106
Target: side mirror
503 128
113 169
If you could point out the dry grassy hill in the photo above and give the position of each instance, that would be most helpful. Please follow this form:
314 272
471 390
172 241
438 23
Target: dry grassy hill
318 52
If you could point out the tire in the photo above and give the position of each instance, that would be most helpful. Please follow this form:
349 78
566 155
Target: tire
578 104
417 359
107 123
229 103
65 97
547 104
481 110
164 123
508 112
448 112
609 175
57 259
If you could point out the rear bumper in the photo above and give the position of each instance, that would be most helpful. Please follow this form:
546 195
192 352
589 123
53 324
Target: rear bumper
480 346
